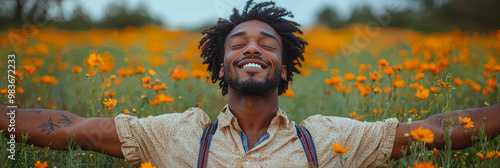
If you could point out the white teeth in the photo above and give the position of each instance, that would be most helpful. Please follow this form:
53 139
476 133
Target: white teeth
254 65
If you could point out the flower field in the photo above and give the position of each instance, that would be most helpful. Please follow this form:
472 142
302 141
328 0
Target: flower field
363 73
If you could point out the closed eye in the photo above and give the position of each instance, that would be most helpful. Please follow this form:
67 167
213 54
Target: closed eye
270 47
237 45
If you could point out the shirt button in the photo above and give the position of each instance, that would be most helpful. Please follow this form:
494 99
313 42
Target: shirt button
247 162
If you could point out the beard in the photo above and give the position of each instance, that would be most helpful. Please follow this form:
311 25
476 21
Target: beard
252 87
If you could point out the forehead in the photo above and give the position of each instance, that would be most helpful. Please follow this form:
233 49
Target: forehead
254 26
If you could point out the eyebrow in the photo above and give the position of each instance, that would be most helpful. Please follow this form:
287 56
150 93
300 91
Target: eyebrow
261 33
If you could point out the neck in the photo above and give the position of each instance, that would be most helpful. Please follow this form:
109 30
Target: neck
254 113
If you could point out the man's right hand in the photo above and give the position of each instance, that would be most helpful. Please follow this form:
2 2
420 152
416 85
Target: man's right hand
54 128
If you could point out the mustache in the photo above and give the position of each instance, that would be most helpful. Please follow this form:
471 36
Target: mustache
250 57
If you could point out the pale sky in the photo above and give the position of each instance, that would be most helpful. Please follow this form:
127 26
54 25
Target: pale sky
195 13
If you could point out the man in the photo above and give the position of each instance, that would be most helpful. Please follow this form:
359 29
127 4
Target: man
254 55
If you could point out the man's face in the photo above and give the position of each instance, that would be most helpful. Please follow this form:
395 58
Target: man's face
252 62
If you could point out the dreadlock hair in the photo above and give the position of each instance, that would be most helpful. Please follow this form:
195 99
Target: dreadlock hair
212 45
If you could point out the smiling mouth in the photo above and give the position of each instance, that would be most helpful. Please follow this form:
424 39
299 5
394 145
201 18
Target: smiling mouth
252 65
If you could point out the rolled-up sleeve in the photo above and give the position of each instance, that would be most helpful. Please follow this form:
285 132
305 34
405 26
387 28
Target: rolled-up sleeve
370 142
151 138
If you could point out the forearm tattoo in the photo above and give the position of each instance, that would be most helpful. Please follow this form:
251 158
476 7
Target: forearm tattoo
49 126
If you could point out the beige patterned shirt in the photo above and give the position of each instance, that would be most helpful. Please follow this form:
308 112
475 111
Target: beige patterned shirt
173 140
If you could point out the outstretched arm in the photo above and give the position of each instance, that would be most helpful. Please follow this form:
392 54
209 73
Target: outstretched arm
53 128
488 116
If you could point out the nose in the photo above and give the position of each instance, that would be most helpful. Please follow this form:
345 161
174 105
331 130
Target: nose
252 50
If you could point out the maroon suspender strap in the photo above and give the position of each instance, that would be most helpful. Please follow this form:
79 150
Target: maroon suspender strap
302 133
206 138
308 144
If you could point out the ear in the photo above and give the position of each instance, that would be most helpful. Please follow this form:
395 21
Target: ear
221 71
283 72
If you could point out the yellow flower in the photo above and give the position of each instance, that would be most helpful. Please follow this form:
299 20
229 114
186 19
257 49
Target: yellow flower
423 165
147 165
38 164
110 103
423 134
94 60
466 122
337 148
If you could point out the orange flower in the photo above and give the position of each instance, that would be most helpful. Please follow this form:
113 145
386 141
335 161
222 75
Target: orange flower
151 72
3 91
423 165
94 60
415 85
289 93
49 79
179 73
164 98
110 103
147 165
466 122
444 84
349 76
458 81
19 90
489 155
423 134
375 76
383 62
412 111
76 69
353 114
492 82
422 93
476 87
38 164
337 148
377 111
377 90
29 69
126 111
361 78
398 83
126 72
199 74
436 150
434 89
159 87
387 90
419 76
333 80
389 71
146 79
334 71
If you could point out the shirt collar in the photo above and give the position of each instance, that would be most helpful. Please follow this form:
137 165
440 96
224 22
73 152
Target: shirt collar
227 118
